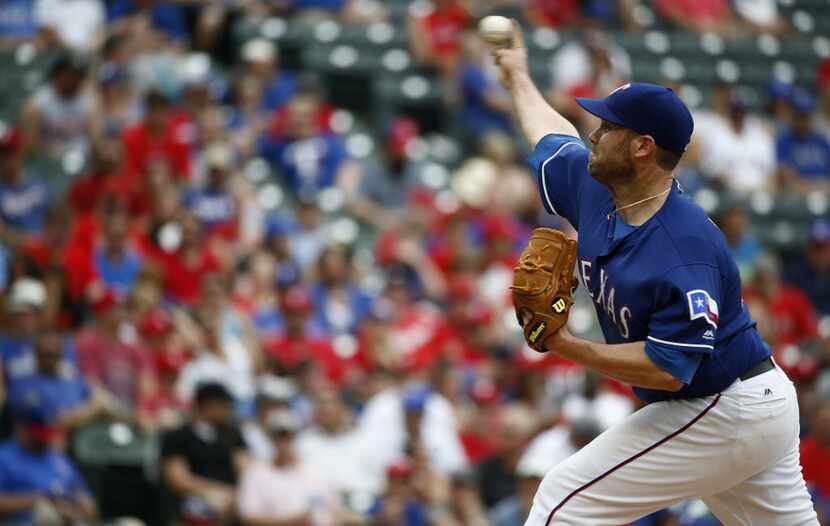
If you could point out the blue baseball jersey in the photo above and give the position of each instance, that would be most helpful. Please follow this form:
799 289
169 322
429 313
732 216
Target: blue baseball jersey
671 282
49 474
23 206
808 155
306 165
57 395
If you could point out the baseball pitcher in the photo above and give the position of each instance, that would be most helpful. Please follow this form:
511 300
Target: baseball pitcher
721 420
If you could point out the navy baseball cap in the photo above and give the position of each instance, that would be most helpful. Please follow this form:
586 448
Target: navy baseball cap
647 109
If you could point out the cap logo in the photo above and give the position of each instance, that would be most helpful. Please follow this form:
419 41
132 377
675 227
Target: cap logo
624 86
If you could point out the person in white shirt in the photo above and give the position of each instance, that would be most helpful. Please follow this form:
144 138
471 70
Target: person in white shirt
273 394
554 445
285 491
591 59
761 16
391 415
336 449
736 148
78 24
60 116
598 401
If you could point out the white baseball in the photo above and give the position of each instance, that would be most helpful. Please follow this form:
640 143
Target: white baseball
496 30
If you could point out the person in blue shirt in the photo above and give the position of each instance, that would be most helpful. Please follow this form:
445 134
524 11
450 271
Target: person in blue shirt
802 151
261 60
17 21
23 202
24 318
167 17
117 263
36 479
213 204
745 247
340 305
328 5
721 419
64 397
279 231
4 267
307 157
399 505
811 271
485 105
23 321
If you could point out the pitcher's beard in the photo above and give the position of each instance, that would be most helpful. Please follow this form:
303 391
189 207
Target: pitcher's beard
608 171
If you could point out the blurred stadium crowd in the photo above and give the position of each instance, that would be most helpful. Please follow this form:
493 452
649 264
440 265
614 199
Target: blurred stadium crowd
254 254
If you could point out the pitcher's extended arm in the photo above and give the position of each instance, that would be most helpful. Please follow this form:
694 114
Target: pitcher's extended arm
536 117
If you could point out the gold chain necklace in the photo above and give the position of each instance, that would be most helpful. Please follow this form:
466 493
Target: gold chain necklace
641 201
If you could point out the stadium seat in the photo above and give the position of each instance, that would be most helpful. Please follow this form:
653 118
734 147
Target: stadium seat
108 443
347 73
114 458
416 95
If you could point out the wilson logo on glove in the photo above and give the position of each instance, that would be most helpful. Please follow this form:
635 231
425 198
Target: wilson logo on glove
537 331
559 306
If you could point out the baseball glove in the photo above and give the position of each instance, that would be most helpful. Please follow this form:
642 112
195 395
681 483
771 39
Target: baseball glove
543 285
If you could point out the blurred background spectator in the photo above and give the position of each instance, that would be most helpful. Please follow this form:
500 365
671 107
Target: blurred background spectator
255 256
40 484
201 461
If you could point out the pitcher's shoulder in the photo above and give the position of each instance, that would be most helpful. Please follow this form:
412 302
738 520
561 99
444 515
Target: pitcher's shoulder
691 233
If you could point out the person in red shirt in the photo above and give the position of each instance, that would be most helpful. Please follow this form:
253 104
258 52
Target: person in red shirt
815 447
697 15
554 13
298 347
158 139
106 177
501 234
46 251
436 37
412 324
461 336
85 192
793 318
162 408
102 252
186 265
106 359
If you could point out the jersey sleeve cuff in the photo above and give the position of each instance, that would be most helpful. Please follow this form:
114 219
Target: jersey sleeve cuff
681 346
681 364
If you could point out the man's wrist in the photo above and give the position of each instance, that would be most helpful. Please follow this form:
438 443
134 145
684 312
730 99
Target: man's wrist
566 345
520 80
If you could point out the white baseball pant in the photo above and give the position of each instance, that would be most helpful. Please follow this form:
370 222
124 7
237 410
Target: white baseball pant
737 450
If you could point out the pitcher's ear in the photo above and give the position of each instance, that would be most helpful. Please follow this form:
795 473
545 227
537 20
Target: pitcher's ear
643 146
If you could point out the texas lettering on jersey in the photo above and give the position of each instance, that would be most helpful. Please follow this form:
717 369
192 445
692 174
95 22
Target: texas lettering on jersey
605 298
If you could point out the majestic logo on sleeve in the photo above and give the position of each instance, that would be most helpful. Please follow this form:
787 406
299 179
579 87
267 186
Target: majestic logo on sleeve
701 305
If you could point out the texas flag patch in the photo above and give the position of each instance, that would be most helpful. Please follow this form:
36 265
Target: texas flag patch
701 305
